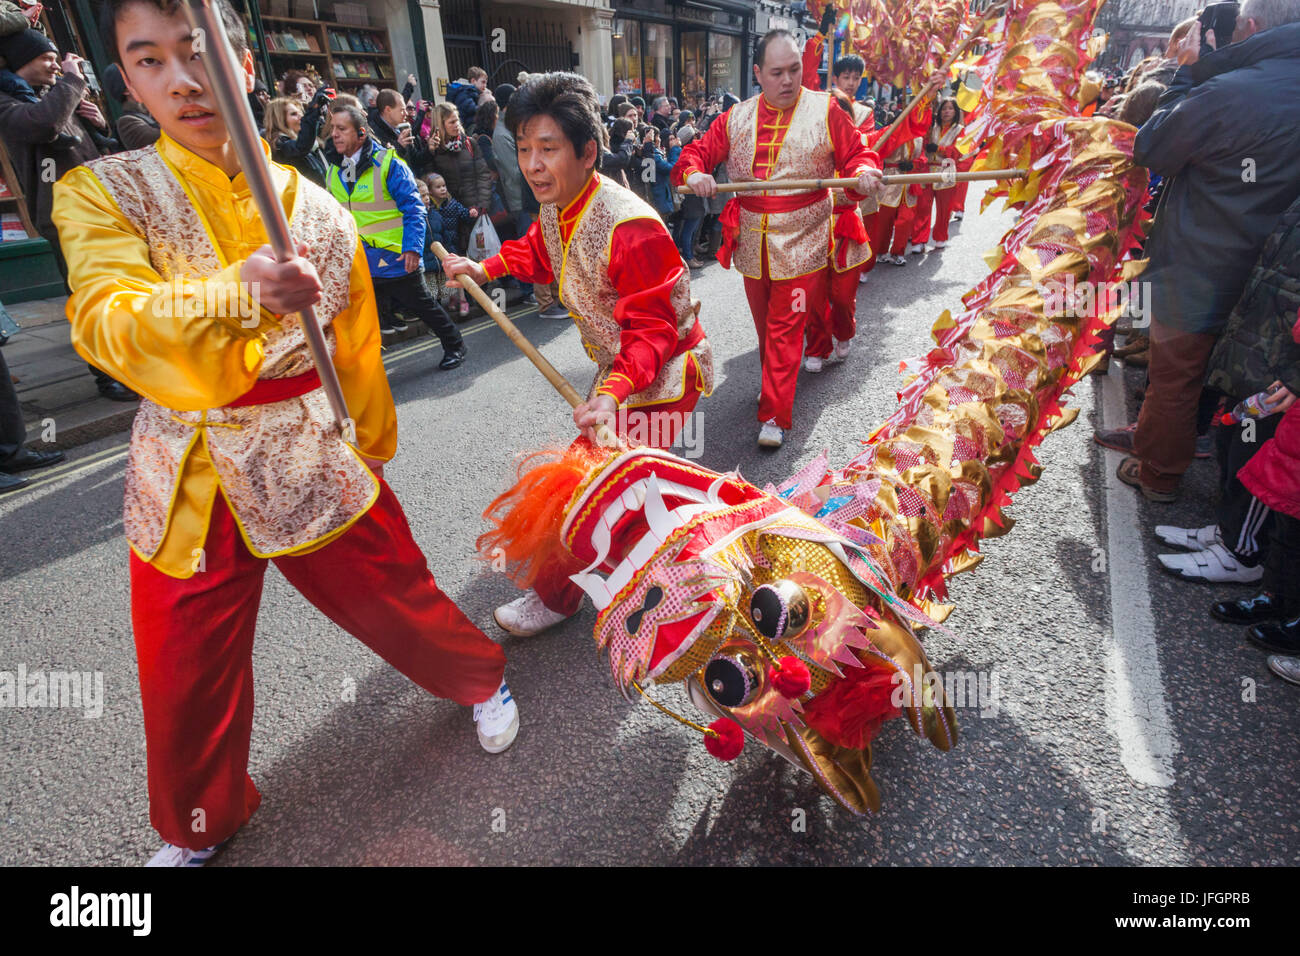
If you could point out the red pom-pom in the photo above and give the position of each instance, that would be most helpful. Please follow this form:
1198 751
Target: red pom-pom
790 677
728 743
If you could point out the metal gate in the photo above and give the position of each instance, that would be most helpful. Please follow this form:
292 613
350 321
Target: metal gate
471 39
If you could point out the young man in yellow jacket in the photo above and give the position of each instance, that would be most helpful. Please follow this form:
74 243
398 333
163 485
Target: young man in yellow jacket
235 458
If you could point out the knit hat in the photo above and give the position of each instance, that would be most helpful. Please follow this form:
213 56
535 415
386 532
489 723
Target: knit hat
19 49
503 93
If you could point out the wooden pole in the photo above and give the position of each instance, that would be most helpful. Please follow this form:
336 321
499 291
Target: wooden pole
604 434
806 185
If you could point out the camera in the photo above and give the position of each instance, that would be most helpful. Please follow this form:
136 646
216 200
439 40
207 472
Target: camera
1222 19
322 98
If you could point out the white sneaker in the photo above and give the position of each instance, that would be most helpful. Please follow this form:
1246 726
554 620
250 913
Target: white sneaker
917 247
896 260
813 364
842 349
172 855
526 616
937 245
1189 539
957 216
498 720
770 435
1215 565
863 276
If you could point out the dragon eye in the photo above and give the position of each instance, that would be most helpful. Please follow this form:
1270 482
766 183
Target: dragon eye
733 677
780 610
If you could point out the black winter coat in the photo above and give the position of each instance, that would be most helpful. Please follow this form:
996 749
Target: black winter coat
1227 135
1257 347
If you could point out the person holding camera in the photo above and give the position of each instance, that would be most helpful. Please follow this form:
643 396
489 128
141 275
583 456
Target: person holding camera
294 134
46 119
1231 171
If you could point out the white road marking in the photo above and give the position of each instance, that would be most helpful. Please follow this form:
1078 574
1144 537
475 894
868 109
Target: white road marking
1136 709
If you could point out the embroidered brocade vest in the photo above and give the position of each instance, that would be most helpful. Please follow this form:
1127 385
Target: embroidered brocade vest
798 242
582 272
943 142
287 473
896 194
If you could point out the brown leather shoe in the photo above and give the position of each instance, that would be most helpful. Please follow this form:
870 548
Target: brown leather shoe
1130 472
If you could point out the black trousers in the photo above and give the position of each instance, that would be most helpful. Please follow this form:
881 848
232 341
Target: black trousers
409 294
1244 522
12 431
1282 565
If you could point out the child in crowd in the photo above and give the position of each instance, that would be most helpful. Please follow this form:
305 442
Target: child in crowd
449 214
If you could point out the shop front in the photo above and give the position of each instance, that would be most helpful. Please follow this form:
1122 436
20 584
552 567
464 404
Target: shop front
689 50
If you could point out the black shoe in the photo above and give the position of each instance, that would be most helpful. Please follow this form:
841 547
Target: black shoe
555 311
453 358
1276 636
25 460
117 392
1252 610
399 325
10 482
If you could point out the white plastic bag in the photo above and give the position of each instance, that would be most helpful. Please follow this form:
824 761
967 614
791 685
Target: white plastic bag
483 240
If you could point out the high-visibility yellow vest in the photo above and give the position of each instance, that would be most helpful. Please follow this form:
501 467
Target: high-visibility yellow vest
379 220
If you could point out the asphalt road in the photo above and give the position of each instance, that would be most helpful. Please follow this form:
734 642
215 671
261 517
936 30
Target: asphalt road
1125 725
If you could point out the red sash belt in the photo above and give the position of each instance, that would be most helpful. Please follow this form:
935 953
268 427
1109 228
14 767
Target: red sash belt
266 391
730 218
690 340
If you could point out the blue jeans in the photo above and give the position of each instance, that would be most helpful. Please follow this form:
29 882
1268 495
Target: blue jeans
685 238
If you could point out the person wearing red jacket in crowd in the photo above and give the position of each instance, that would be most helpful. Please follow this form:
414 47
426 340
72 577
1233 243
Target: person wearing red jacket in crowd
941 149
781 241
624 282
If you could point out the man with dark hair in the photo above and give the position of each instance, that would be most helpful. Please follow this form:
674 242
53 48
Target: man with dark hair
236 459
621 278
377 187
781 241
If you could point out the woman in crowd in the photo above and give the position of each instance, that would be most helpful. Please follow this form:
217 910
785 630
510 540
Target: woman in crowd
291 131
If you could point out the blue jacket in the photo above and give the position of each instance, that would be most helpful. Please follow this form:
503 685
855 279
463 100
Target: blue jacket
464 96
661 189
401 186
438 232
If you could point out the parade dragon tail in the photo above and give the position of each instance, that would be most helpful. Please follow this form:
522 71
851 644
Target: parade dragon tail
789 612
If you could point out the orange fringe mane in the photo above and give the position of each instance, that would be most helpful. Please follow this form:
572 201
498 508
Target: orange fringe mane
526 519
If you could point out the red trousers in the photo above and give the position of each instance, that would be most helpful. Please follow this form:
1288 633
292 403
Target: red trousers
921 216
656 426
959 201
839 318
194 642
944 200
884 222
780 308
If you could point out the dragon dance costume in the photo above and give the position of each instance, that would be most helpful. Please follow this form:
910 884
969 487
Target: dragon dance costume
625 284
235 459
780 242
787 612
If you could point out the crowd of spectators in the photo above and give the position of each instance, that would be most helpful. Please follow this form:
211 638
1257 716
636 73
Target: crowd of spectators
1219 132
